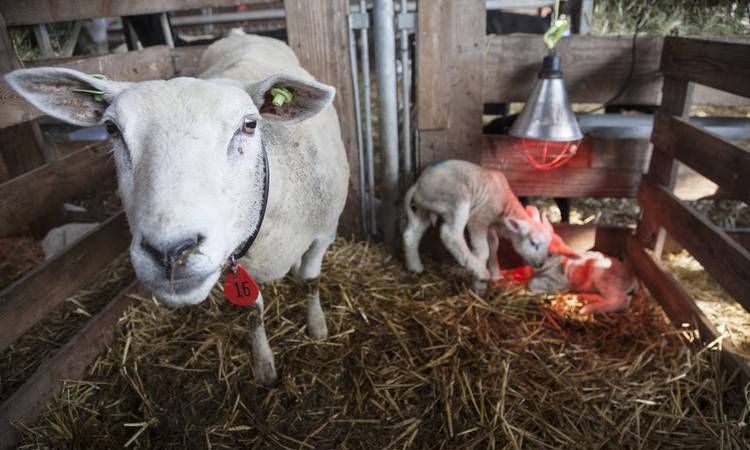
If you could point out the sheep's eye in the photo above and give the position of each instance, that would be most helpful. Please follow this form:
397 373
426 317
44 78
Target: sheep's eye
112 129
248 125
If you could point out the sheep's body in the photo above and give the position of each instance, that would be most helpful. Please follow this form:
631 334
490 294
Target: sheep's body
309 169
465 195
190 165
603 281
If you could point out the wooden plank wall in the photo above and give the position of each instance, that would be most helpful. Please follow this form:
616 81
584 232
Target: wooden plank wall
450 56
594 66
318 34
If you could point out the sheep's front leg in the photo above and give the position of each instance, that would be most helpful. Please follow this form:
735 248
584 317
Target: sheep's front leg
452 235
308 274
263 364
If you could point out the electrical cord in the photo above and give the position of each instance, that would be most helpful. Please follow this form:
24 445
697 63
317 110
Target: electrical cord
633 47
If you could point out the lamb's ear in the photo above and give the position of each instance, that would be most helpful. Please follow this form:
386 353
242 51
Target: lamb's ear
61 93
307 98
517 226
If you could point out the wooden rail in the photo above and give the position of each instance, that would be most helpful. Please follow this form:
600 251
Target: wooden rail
713 156
720 64
70 362
36 193
679 305
28 300
153 63
726 260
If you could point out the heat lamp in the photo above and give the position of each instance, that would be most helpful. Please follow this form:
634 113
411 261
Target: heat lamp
546 130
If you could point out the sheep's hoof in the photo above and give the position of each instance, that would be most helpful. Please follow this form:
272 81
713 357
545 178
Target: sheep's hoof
415 267
317 329
265 373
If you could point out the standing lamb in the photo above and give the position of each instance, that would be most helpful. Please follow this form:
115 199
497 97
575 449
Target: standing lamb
192 157
465 195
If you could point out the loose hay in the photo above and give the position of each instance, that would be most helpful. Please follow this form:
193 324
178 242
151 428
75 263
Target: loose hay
412 362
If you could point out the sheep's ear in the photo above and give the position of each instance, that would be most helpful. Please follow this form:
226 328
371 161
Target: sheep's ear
517 226
297 99
66 94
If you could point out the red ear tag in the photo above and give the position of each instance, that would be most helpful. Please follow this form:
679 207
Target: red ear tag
240 288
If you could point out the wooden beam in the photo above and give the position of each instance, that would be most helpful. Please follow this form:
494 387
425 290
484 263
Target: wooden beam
70 362
37 193
153 63
318 33
721 256
431 59
28 300
663 168
679 306
726 164
719 64
595 68
31 12
461 46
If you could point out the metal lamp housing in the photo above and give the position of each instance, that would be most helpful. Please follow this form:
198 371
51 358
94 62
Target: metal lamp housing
547 115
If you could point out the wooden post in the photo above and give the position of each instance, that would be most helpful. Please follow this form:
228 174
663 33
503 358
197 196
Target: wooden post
676 98
450 56
318 33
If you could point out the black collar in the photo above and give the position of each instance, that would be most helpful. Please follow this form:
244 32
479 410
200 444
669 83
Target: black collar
249 242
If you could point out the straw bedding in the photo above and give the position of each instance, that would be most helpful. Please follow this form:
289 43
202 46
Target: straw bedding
412 362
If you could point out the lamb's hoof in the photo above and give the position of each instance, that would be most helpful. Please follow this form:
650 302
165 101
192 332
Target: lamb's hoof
317 329
415 267
265 373
479 286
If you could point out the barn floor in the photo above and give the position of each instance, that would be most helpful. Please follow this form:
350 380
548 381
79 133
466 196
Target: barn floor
412 362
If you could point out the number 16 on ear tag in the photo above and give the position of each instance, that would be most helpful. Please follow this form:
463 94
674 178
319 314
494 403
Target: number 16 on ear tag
239 287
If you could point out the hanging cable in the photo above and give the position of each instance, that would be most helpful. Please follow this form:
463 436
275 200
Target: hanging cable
633 47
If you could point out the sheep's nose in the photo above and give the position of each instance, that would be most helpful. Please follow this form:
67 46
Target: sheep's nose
166 255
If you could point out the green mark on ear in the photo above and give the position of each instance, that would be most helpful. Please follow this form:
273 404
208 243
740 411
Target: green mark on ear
98 95
281 96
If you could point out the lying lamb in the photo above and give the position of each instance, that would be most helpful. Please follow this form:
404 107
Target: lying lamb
465 195
602 281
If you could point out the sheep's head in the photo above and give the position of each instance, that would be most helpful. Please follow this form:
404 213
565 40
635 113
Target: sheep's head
530 236
188 158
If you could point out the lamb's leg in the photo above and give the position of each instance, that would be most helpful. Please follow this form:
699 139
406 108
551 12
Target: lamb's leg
452 235
309 275
263 365
481 250
415 228
599 304
494 264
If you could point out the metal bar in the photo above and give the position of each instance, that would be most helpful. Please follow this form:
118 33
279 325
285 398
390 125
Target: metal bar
385 58
166 29
243 16
42 39
365 52
363 207
405 101
70 44
518 4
